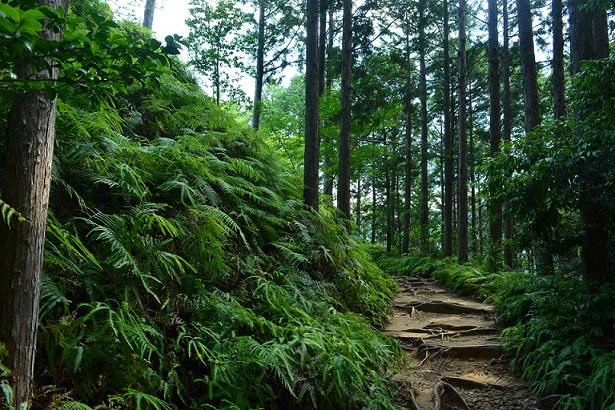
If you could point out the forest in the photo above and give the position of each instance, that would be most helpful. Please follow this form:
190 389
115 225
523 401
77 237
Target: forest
168 241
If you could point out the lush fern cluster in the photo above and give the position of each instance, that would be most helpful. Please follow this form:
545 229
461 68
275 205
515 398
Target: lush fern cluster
557 326
183 271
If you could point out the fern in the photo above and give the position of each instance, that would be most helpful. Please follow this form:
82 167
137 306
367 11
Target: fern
9 212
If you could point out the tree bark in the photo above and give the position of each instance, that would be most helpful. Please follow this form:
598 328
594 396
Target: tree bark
495 211
343 187
312 140
328 175
462 224
559 102
424 204
260 67
528 65
405 247
148 14
588 41
448 142
507 131
27 179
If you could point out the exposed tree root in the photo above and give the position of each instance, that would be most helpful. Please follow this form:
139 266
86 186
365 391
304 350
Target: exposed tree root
491 351
438 306
471 384
443 388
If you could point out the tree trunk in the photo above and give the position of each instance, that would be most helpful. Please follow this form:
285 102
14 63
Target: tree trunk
387 180
343 187
423 97
528 65
462 224
358 213
507 111
589 40
322 46
260 67
448 141
495 211
559 102
405 244
328 175
374 207
148 14
312 140
27 178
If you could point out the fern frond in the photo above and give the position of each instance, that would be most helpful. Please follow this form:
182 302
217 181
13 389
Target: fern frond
8 212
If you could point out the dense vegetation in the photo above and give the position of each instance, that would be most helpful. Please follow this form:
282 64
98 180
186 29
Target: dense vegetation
556 326
189 262
182 268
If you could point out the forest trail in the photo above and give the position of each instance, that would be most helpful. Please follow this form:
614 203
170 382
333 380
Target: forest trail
452 346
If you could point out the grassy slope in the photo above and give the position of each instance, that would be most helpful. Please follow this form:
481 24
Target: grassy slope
182 269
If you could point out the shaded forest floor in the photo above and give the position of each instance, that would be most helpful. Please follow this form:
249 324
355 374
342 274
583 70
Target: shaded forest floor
455 359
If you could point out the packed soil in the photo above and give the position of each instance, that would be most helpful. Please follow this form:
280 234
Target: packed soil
455 359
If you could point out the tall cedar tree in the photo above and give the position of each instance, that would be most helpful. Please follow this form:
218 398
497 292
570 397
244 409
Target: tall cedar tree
422 43
29 146
448 140
260 67
507 129
148 14
462 208
405 245
589 40
495 225
559 102
343 188
312 140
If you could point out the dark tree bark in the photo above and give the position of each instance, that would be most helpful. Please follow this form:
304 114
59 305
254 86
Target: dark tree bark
312 139
528 65
148 14
405 247
343 188
495 211
507 111
448 142
559 102
322 45
462 224
589 41
328 175
424 204
27 178
260 67
374 206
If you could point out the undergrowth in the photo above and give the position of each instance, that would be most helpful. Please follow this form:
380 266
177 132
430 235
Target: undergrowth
559 328
182 270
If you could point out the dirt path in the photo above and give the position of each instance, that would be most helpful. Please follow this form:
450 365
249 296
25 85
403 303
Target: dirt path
453 349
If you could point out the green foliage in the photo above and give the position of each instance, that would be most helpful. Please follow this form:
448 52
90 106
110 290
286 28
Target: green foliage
183 270
558 329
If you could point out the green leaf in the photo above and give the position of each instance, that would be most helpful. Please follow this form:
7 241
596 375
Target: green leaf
11 12
32 14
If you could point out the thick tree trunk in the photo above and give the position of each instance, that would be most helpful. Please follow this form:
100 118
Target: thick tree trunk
559 102
495 211
507 111
312 140
405 245
589 40
260 68
27 179
528 65
148 14
424 204
462 224
448 141
343 188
